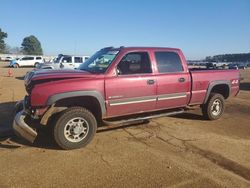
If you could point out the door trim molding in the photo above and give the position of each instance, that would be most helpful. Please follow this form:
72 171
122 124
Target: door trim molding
171 96
135 100
132 100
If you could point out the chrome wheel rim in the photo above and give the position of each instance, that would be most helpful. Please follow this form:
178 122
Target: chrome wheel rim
76 129
216 107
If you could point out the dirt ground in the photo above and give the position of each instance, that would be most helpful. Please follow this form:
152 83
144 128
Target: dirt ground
180 151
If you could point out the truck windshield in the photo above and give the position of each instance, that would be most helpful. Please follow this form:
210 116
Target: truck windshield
100 61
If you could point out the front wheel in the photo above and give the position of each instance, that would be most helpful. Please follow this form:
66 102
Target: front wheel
75 128
214 107
36 65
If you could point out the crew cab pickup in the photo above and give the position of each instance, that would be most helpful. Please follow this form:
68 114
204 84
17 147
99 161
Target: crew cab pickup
117 86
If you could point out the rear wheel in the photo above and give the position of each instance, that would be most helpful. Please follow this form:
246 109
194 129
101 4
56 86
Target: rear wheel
75 128
16 65
214 107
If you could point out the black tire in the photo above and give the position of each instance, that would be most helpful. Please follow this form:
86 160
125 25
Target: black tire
210 110
36 65
63 133
16 65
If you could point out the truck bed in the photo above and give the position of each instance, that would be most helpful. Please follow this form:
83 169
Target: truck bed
202 78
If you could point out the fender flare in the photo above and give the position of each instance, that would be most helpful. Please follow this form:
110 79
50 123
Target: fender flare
215 83
54 98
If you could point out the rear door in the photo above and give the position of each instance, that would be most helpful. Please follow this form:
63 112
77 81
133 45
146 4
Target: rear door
31 61
38 60
173 81
77 61
133 90
67 63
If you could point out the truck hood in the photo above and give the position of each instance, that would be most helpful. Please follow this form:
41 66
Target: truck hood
47 75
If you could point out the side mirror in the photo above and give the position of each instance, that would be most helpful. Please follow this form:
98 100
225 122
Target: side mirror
118 72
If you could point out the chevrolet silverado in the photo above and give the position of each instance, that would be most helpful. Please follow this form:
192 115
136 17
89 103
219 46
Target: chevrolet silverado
117 86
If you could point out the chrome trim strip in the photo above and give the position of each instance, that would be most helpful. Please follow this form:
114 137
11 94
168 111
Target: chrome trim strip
147 99
115 97
171 96
199 91
132 100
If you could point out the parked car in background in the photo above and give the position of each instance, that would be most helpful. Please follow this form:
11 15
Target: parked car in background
8 58
33 61
242 66
233 66
64 62
211 66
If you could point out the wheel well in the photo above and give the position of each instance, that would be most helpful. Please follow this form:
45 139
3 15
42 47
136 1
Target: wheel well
88 102
222 89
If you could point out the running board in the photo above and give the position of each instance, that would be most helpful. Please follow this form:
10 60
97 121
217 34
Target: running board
117 123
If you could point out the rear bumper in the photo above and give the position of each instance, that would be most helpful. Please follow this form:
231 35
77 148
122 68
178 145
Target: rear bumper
21 128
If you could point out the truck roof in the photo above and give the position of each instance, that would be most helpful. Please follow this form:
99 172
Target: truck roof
144 48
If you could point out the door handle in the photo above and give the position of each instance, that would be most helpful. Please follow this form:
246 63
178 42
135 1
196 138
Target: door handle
150 82
181 79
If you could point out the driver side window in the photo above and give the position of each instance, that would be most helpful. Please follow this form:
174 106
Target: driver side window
134 63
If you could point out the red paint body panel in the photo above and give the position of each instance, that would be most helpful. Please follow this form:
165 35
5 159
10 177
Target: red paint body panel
127 87
120 92
202 79
42 92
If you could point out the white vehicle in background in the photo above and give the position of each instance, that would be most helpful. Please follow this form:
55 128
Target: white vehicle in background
65 62
7 58
26 61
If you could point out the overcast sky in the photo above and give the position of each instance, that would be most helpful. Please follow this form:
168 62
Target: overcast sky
199 28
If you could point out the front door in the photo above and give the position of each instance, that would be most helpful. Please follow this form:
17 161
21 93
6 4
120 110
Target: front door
133 90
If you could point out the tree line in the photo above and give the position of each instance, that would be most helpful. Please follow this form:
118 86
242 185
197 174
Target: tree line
30 45
241 57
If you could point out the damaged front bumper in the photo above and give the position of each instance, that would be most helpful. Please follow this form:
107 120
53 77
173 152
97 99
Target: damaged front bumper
20 127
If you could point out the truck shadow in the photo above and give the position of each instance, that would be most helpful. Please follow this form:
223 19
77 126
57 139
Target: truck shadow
190 116
245 86
43 141
8 138
20 77
6 117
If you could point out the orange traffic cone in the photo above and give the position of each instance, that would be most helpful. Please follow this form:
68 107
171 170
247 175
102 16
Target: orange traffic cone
10 73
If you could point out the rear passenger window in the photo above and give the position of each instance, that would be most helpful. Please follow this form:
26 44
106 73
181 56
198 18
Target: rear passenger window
134 63
78 60
38 58
168 62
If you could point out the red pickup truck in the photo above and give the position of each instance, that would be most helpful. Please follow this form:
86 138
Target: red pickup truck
119 85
